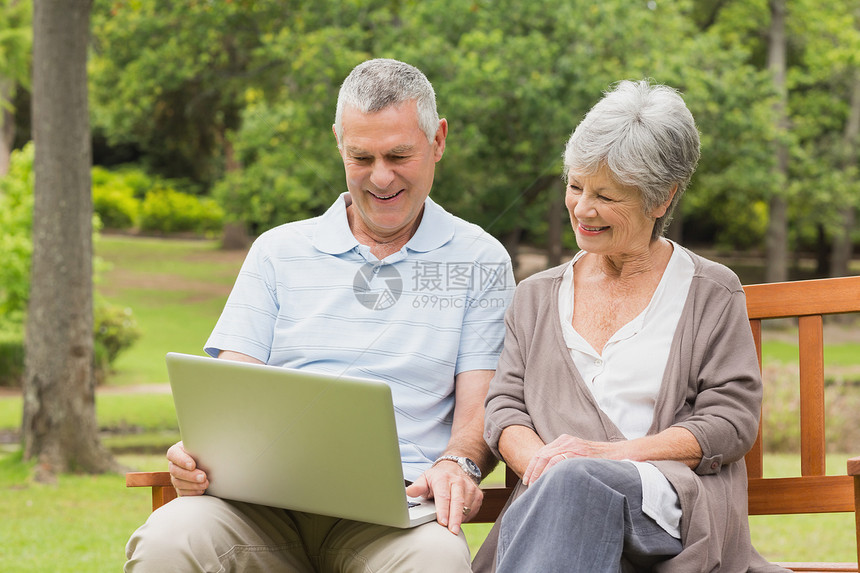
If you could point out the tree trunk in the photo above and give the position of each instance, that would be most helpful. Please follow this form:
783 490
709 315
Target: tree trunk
7 124
842 244
59 427
776 265
557 221
675 231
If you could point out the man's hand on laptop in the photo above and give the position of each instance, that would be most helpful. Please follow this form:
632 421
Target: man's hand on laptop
186 478
456 495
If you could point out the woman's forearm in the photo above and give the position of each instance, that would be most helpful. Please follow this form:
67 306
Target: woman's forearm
674 444
518 445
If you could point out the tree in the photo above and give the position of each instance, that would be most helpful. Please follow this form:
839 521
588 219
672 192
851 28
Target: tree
776 265
59 427
842 240
170 78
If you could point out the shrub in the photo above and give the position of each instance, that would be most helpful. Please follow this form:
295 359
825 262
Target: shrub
114 200
16 225
169 211
115 330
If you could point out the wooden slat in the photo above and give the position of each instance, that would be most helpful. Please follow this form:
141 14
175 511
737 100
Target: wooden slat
812 442
821 567
854 467
147 479
813 494
495 499
799 298
855 472
162 495
511 477
755 457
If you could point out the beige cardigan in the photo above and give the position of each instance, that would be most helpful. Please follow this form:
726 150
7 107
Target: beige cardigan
711 386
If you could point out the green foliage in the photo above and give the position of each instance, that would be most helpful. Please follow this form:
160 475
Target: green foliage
284 179
115 330
171 211
169 77
128 198
16 223
16 39
240 96
114 200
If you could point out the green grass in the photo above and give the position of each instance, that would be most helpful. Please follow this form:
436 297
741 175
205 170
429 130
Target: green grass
778 351
176 290
131 412
79 525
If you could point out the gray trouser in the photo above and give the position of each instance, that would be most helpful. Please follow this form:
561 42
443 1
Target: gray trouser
205 533
583 515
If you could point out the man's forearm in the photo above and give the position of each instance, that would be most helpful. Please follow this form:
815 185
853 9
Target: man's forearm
467 431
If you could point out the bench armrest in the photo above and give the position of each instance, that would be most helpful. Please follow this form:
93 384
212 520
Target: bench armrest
854 466
162 489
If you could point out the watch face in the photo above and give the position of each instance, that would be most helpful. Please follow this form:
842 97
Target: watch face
473 467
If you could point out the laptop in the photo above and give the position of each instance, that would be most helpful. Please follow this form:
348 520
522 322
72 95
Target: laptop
294 439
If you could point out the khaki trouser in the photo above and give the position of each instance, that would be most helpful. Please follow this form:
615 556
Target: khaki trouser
205 533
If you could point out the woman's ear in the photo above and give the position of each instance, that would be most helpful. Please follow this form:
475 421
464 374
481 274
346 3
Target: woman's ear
661 209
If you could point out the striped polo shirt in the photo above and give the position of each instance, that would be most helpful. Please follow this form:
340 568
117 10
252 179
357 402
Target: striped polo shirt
310 296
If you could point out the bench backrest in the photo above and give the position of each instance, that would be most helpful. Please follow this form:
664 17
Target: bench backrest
808 302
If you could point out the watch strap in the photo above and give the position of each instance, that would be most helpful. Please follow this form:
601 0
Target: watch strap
469 467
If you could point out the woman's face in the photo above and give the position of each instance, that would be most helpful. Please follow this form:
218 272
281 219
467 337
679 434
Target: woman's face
608 217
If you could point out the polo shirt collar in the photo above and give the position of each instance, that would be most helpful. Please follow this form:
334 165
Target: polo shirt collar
334 237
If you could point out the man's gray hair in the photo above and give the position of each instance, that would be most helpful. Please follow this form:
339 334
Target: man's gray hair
375 85
647 138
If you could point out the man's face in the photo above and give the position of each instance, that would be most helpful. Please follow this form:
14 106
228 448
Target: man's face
389 168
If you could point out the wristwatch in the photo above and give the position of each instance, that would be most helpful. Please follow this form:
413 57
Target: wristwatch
468 466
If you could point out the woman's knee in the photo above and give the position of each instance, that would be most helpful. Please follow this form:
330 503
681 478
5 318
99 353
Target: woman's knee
578 473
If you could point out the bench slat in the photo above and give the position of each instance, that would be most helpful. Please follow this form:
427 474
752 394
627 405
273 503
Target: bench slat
809 494
811 357
799 298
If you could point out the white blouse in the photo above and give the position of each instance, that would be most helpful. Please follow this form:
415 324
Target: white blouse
626 377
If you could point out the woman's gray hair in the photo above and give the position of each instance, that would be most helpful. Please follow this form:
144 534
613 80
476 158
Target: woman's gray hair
377 84
647 138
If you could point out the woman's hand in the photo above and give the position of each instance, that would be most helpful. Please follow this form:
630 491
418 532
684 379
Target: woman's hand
565 447
673 443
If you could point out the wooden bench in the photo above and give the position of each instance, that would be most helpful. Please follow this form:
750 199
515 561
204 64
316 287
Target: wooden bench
813 491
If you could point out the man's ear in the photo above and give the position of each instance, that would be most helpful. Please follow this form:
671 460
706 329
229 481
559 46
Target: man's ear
439 140
337 141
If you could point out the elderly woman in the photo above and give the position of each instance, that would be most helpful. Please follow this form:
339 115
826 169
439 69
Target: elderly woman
628 390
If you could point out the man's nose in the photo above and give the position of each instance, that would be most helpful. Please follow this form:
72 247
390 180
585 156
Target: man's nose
382 174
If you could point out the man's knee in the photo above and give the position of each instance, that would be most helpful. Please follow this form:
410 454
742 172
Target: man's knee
429 547
172 536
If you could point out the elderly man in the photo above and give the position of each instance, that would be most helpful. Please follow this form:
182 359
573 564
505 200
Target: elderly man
385 284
